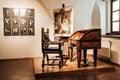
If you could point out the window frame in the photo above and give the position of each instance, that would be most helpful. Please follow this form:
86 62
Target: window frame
114 32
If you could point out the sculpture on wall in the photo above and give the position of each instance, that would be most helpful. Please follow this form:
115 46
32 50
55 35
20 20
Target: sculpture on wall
62 20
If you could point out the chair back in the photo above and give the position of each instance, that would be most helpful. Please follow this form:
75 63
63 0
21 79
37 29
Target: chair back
45 38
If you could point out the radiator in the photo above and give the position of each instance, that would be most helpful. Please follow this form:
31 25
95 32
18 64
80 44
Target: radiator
105 51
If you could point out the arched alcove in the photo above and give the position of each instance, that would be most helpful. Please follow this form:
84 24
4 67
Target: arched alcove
96 16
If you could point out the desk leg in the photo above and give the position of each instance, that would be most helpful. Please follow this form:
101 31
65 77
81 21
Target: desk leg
85 54
95 57
70 52
79 58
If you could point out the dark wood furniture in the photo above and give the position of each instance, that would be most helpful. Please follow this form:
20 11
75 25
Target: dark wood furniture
83 40
64 38
50 47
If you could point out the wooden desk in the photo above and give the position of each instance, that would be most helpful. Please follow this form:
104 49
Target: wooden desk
63 38
83 40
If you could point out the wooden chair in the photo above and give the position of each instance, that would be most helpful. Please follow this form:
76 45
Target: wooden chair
50 47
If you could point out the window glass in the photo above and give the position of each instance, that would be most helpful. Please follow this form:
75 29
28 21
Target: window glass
115 5
115 26
115 15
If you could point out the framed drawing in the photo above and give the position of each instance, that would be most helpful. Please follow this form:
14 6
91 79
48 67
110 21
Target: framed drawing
30 12
63 21
23 12
7 21
23 22
23 31
18 21
15 12
7 31
31 21
15 21
30 30
7 12
15 30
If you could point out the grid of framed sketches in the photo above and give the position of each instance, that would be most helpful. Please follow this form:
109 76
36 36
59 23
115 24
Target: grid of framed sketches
18 21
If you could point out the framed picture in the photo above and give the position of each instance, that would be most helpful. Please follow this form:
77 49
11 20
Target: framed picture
15 30
7 12
23 30
31 21
62 21
15 22
15 12
23 12
30 12
30 30
7 21
7 31
18 21
23 21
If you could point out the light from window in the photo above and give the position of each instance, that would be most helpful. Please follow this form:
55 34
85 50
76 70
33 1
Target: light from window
116 5
115 15
116 26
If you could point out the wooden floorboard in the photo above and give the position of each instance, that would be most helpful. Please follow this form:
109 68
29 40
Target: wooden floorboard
17 69
25 69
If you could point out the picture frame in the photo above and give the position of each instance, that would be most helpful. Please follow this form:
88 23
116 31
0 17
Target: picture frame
15 12
62 21
31 21
23 31
15 21
18 21
7 21
23 12
7 12
30 12
7 31
15 30
30 30
23 21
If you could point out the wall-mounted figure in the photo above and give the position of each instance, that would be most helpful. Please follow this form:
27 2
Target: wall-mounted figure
63 20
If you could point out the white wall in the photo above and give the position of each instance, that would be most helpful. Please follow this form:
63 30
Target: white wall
23 46
96 16
30 46
102 7
82 11
108 16
114 49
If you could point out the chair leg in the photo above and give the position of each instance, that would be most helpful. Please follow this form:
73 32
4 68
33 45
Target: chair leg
43 60
61 60
95 57
47 59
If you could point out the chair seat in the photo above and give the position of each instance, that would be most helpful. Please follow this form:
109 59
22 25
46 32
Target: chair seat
52 51
53 47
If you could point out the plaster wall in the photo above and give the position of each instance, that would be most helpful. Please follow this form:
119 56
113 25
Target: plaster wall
23 46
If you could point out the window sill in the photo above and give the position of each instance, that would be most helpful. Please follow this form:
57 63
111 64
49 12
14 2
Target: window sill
111 36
